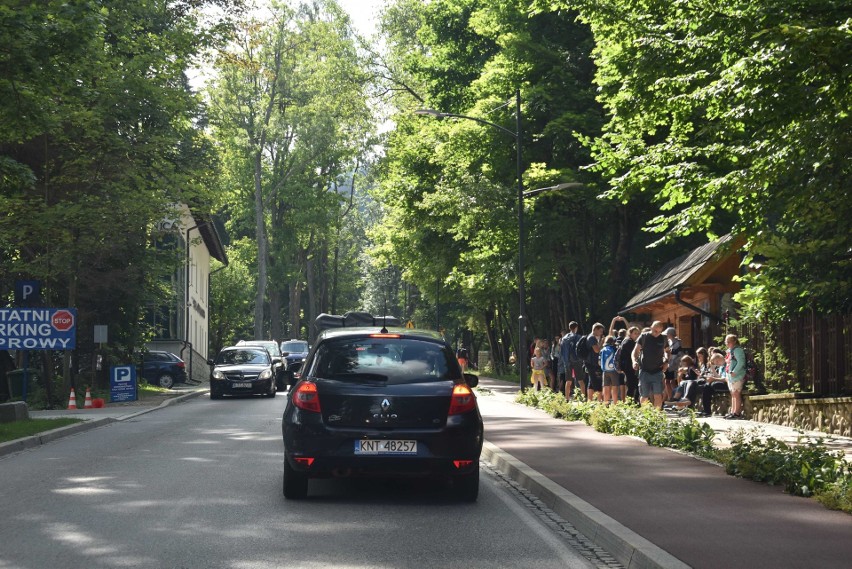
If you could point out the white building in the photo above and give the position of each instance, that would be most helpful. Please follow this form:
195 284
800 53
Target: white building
184 325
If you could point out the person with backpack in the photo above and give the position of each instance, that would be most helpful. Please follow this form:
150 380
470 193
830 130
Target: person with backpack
589 349
650 358
611 377
735 371
575 375
624 364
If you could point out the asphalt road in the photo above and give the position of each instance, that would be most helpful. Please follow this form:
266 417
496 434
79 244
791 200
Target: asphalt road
198 485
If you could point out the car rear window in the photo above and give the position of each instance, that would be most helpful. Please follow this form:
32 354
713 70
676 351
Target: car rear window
296 347
390 360
237 357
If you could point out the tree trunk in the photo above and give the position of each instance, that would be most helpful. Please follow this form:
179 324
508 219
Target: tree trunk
621 260
493 345
275 330
313 292
295 308
262 248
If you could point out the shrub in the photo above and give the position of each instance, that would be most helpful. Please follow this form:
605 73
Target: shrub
804 469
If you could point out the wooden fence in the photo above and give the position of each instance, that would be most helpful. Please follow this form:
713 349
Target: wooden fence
810 354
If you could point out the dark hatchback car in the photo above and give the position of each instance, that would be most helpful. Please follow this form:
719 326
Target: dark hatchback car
242 370
294 353
163 369
382 404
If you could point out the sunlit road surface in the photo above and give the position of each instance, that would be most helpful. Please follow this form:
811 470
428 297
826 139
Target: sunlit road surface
198 485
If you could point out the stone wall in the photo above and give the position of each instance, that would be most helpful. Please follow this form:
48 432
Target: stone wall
832 415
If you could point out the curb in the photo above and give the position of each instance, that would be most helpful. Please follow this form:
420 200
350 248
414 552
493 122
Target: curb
164 404
33 441
629 548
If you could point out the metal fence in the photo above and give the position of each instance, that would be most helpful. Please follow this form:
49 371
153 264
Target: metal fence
812 353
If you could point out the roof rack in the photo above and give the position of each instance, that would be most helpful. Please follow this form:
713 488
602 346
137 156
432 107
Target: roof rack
350 319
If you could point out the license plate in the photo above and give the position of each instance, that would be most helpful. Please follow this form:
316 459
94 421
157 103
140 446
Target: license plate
245 384
385 447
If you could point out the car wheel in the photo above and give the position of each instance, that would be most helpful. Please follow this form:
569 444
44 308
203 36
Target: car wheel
273 389
466 488
166 381
295 483
215 394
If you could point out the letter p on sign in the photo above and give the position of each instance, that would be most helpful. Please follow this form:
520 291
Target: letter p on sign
123 374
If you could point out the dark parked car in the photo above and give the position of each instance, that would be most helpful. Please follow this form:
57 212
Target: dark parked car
163 369
242 370
277 359
294 353
373 402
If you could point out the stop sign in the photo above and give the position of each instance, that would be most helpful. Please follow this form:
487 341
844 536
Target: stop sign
62 320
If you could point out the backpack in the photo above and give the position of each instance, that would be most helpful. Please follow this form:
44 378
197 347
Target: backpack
582 348
619 355
608 361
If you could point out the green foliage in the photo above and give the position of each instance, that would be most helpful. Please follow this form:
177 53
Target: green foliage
838 495
449 187
99 138
645 422
291 111
804 469
29 427
733 116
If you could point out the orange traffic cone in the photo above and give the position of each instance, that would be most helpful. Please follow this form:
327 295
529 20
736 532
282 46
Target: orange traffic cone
88 403
72 401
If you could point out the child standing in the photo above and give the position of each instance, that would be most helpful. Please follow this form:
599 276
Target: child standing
538 365
611 383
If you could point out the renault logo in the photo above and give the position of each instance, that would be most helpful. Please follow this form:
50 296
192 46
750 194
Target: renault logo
385 405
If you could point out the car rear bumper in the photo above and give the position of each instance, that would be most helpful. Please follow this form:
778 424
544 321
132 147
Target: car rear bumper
258 387
451 451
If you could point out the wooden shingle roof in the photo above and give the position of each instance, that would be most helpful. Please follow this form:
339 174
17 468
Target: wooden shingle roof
680 272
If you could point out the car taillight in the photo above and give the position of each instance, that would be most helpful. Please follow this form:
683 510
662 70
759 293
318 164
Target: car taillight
180 364
306 397
463 400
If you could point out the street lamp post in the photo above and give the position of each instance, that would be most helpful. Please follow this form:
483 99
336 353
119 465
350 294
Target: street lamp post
522 308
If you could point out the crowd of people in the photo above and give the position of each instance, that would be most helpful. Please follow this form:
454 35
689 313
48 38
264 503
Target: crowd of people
648 366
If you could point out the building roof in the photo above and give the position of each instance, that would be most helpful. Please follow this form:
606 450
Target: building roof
212 230
680 272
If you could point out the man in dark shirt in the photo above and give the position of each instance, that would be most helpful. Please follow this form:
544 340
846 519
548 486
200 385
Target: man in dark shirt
594 342
650 359
573 364
626 363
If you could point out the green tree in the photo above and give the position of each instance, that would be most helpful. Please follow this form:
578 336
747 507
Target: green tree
291 111
99 139
735 111
449 188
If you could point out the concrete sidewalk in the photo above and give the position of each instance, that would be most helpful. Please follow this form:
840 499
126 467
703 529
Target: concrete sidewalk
653 507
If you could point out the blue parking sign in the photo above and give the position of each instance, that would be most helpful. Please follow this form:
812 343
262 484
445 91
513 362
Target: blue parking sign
122 383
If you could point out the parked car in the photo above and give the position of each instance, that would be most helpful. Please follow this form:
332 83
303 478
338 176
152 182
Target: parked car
294 353
163 369
242 370
377 402
277 359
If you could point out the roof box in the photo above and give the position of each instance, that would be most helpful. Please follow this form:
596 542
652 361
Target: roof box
351 319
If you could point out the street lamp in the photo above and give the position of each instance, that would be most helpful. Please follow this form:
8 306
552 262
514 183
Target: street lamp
565 186
518 136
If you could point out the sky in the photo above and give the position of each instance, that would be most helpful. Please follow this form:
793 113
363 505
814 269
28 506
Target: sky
363 13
